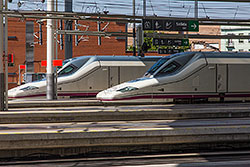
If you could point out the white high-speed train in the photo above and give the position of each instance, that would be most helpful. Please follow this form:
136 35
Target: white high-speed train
189 75
87 75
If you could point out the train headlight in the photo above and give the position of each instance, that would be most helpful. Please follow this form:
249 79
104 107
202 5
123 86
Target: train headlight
127 89
29 88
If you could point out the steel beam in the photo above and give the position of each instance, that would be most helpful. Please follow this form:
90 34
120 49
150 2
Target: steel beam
195 36
153 35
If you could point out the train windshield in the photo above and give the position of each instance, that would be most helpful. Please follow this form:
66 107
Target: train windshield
168 69
72 66
70 69
156 66
177 62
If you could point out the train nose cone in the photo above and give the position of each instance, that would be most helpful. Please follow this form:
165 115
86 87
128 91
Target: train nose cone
106 95
12 93
101 95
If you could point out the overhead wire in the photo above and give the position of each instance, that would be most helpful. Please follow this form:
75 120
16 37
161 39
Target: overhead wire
177 8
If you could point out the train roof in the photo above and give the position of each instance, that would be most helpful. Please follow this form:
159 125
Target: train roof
216 54
226 54
153 58
119 58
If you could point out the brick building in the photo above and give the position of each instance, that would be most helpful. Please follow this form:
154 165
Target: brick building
206 44
24 47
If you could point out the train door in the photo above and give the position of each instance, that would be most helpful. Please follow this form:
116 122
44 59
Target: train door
113 77
221 78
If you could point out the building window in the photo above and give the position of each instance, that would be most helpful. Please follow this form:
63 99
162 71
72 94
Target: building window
249 39
214 46
199 46
241 40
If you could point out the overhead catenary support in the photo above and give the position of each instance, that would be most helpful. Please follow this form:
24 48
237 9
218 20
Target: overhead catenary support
194 36
153 35
134 35
196 9
40 33
144 8
76 29
68 26
140 39
56 54
113 17
50 53
99 30
6 56
61 36
1 60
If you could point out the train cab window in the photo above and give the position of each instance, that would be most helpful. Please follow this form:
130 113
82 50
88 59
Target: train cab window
81 63
156 66
170 68
70 69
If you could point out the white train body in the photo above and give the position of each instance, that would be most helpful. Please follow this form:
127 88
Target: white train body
87 75
188 75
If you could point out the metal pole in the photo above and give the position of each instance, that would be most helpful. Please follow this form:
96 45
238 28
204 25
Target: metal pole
1 60
19 74
76 36
61 36
6 57
196 11
144 8
140 39
134 40
56 53
99 30
40 33
50 53
68 26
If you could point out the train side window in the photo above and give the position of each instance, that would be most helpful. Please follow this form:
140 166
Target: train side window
67 70
170 68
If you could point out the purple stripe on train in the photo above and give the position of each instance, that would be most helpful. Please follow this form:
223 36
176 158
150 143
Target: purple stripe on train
177 97
59 94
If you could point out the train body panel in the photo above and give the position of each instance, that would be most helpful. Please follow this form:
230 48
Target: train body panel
191 75
87 75
236 82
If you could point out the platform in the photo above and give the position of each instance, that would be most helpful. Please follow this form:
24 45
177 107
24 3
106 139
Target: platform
83 138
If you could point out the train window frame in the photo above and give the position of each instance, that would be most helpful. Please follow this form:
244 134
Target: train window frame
161 73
